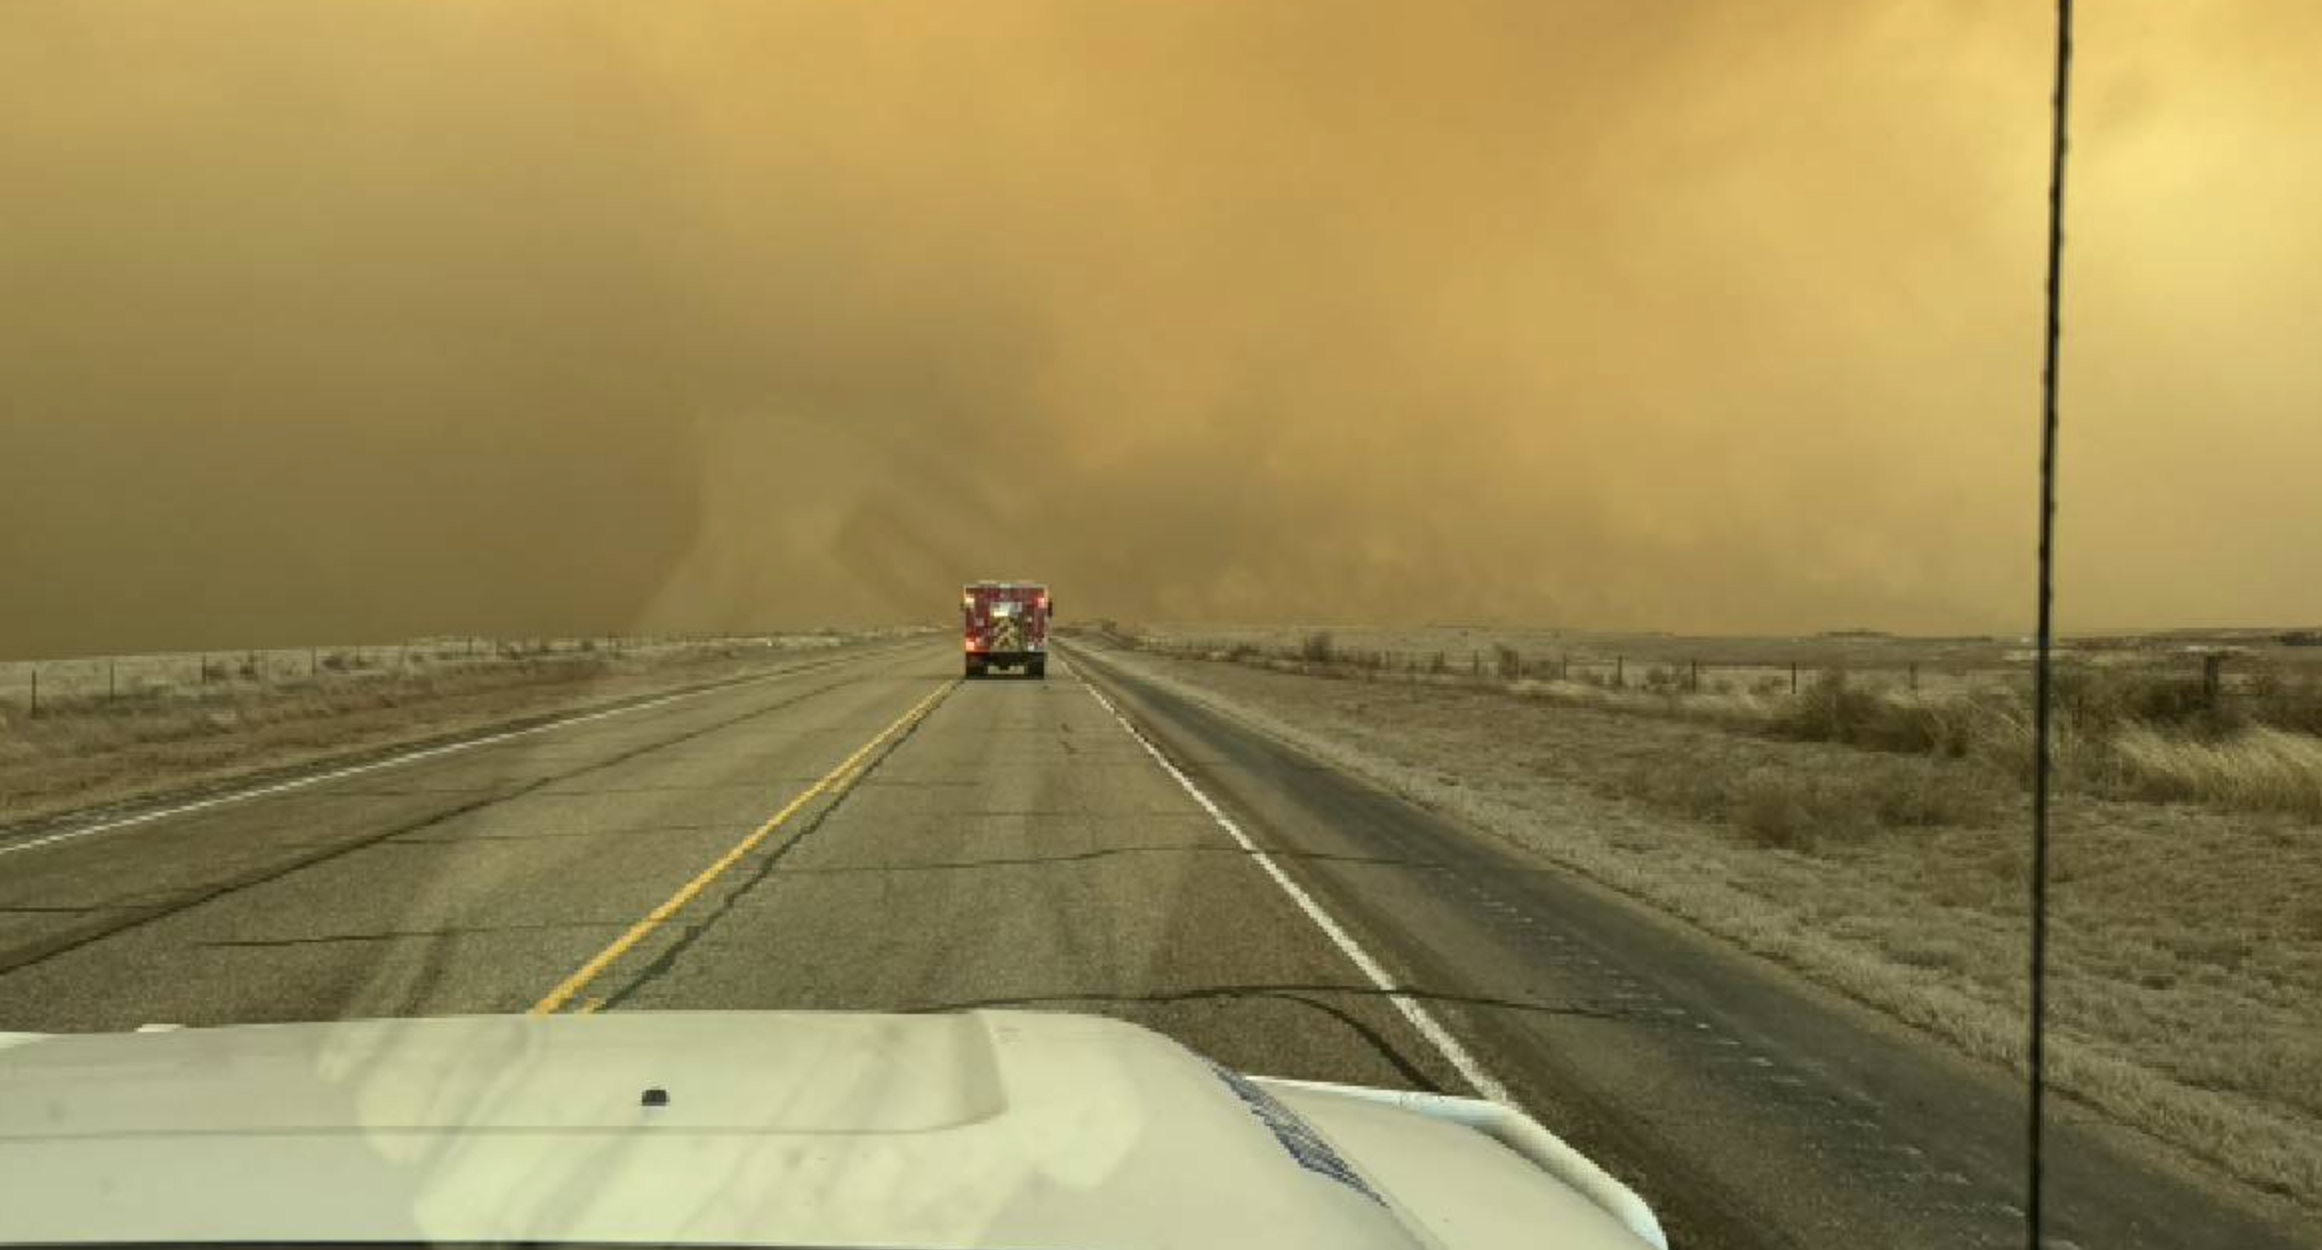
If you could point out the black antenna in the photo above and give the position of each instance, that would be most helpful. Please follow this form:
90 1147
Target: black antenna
2033 1215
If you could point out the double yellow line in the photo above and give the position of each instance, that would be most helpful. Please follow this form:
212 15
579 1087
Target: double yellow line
833 783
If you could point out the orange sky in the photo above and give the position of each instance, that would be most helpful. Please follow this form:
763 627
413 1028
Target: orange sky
375 318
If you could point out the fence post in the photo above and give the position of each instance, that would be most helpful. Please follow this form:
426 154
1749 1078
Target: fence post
1620 680
36 692
1694 679
2212 675
1793 677
1914 676
112 683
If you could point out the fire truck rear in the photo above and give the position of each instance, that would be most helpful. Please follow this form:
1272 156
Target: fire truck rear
1005 626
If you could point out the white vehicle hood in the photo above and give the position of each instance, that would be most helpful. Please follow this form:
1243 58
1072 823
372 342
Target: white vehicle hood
1009 1129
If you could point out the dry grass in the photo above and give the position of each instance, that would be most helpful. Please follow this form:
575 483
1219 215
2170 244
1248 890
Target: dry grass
2259 769
2187 957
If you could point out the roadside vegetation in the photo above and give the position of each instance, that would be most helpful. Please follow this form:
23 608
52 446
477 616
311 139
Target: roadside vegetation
2121 732
1872 837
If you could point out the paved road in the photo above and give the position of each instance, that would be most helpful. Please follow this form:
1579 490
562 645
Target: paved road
910 842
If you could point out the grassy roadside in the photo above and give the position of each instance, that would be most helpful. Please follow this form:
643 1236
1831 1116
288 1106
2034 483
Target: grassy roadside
2134 731
2188 937
92 753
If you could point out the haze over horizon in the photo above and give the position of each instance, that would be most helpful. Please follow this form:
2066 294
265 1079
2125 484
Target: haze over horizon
382 319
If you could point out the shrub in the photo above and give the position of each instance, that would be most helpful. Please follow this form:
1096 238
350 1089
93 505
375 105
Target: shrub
1779 809
1828 710
2284 702
2262 769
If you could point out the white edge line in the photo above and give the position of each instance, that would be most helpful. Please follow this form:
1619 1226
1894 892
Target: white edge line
411 757
1421 1019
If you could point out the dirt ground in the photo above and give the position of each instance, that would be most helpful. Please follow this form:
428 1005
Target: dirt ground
2187 941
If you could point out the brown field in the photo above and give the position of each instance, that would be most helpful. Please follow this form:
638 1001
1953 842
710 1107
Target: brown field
1874 837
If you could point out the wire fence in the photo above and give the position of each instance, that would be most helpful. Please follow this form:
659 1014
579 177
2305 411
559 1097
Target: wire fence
46 686
2219 674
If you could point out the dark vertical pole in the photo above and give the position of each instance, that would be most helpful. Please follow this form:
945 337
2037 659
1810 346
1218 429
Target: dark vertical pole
1620 679
2035 1132
1914 676
1694 680
1793 677
36 692
112 681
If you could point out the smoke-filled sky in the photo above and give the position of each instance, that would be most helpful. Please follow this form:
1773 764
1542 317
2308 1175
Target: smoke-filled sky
385 317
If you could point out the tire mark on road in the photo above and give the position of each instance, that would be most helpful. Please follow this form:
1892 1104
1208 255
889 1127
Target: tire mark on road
65 941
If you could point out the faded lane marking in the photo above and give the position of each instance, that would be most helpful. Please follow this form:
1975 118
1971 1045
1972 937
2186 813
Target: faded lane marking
1420 1018
833 783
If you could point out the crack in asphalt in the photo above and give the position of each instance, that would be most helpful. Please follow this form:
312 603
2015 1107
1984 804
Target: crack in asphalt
1074 857
620 832
1282 989
40 950
751 787
400 935
1299 994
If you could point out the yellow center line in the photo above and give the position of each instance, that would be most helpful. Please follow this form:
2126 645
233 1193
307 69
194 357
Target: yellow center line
833 782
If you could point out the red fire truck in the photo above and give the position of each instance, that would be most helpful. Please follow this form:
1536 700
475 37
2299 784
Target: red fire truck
1006 626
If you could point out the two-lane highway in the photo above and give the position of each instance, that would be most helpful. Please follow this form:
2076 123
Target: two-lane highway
875 835
878 834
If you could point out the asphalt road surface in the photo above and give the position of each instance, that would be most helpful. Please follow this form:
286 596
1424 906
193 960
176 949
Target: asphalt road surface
876 834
